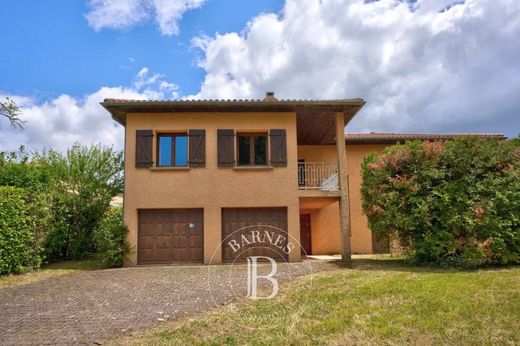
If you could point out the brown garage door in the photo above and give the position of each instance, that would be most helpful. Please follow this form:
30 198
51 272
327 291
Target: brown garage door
168 236
235 222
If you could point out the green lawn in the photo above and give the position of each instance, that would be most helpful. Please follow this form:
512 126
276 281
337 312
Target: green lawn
49 270
379 301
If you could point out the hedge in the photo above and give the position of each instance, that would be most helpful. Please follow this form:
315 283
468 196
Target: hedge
111 238
19 250
54 202
449 203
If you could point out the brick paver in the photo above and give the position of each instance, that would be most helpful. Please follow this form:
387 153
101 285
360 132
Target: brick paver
91 306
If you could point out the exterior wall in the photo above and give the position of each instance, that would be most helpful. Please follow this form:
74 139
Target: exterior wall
325 227
325 234
361 233
210 187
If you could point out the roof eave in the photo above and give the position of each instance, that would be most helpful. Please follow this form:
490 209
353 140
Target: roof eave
118 109
224 103
114 113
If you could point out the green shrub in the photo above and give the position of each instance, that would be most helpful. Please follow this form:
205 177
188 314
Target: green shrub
58 239
20 219
40 212
112 245
87 178
17 169
449 203
66 196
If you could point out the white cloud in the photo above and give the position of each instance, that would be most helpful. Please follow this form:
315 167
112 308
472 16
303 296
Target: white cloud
124 14
169 12
65 120
428 66
154 86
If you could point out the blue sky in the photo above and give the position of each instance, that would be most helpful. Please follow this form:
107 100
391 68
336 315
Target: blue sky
50 48
422 66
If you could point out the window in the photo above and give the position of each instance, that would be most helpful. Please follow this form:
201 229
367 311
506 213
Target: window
172 150
252 149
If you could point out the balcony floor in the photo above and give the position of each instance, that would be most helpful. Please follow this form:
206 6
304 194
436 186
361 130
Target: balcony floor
318 193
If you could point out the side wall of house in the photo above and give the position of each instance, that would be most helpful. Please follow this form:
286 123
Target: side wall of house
325 231
211 187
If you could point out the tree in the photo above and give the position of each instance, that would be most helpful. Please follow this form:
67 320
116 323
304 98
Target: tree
12 112
87 178
455 202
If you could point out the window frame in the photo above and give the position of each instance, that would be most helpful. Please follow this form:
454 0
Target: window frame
173 157
252 156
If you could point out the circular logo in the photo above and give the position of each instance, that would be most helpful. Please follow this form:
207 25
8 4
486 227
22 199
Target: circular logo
259 264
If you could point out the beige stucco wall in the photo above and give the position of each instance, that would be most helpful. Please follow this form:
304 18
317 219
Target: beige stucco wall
325 234
211 187
325 227
361 233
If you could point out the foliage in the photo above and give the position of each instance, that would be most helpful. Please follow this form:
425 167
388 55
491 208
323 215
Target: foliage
11 111
22 218
455 202
65 197
88 178
111 241
19 170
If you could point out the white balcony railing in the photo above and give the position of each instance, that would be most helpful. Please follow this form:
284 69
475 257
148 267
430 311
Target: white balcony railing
318 176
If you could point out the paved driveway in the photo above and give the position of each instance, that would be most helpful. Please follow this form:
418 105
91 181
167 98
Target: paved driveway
90 306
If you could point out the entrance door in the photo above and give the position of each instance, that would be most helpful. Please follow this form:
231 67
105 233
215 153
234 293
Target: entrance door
305 233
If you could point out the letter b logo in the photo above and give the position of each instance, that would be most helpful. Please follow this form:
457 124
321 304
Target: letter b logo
252 277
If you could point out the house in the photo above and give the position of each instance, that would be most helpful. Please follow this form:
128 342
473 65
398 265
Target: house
200 175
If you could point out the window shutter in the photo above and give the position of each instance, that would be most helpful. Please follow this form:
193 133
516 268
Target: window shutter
278 147
197 148
226 147
143 148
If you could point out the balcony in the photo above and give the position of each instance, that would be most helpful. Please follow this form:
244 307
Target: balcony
318 176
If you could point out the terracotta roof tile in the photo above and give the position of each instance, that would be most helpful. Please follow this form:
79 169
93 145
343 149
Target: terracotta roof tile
394 136
112 100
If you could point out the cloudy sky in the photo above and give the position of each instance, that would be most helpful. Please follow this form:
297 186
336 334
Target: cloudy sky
422 66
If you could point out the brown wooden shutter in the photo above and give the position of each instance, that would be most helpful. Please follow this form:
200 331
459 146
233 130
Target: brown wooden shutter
278 147
197 148
226 147
143 148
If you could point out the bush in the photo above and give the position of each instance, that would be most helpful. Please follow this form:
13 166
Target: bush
34 180
52 203
112 245
87 178
21 219
66 196
58 239
18 170
454 202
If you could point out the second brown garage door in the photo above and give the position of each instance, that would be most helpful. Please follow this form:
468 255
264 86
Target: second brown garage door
169 236
234 225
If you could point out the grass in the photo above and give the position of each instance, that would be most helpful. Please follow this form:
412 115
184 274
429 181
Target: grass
48 271
379 301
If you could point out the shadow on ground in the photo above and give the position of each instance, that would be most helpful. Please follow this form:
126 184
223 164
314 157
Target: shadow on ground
401 264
